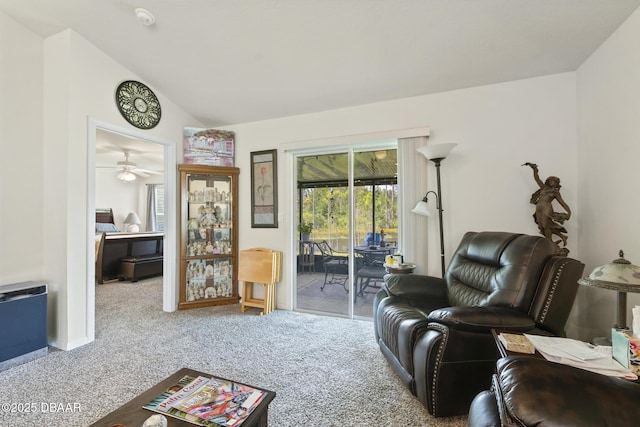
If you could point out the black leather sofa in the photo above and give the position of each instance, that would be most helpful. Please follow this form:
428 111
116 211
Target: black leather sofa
436 333
527 391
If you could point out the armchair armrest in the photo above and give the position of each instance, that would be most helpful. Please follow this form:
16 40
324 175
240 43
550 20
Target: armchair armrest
416 286
540 397
482 319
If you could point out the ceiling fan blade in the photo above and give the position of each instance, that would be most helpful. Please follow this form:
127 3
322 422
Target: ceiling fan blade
149 171
104 171
139 173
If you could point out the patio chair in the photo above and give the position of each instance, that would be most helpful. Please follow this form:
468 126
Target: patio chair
370 271
336 267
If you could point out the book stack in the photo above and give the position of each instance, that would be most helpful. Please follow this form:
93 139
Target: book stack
208 402
516 342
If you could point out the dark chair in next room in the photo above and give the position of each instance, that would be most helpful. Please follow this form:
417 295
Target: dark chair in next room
336 266
370 272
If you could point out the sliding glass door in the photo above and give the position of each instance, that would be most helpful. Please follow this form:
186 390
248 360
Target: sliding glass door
350 199
322 282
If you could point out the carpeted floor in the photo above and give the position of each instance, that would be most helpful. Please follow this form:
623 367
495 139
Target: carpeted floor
326 371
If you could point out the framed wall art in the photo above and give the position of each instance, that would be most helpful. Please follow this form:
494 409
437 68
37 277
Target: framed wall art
210 147
264 189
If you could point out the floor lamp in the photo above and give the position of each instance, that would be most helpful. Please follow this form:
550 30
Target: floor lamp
436 153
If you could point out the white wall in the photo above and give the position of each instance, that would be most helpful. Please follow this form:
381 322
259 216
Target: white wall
498 128
609 132
79 82
21 193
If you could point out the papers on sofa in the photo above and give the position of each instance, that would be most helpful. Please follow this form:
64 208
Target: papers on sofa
635 323
579 354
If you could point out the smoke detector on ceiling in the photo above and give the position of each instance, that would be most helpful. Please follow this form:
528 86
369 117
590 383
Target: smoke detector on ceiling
145 17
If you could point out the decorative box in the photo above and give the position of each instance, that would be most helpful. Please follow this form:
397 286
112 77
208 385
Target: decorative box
625 347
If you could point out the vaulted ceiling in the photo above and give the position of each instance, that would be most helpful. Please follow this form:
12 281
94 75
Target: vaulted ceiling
237 61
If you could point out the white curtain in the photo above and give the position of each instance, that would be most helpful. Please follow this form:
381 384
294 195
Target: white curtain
152 220
412 186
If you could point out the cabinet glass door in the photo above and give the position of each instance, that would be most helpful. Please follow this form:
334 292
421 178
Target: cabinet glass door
208 250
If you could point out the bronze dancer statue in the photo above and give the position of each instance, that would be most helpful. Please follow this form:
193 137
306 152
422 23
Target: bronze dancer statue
550 223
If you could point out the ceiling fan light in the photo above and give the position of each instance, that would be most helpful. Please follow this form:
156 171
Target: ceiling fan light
126 176
381 154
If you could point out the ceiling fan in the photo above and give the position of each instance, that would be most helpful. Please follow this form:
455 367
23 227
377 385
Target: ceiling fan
127 170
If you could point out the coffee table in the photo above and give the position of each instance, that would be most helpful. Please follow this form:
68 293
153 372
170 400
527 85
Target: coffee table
132 413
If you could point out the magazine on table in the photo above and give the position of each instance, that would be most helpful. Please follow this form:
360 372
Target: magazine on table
185 385
186 390
220 401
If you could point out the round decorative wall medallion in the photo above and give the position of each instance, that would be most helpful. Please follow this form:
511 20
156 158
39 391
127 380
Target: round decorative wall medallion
138 104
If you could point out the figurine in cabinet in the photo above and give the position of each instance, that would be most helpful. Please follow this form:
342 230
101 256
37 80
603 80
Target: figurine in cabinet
210 292
207 219
208 271
218 214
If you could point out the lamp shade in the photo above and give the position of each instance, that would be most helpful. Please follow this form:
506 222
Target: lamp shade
133 220
619 275
437 151
421 209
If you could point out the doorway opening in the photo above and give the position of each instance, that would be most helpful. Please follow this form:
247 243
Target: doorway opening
97 129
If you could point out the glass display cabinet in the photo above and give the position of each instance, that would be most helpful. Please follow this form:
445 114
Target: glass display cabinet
209 236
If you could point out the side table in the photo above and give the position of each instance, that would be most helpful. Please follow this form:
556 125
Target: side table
504 352
405 268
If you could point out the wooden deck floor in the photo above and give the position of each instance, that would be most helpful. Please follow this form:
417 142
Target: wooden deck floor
332 299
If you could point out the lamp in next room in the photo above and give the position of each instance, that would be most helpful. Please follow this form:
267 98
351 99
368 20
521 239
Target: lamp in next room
619 275
436 153
133 222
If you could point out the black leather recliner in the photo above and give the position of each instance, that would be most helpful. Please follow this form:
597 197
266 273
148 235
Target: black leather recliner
436 333
528 391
